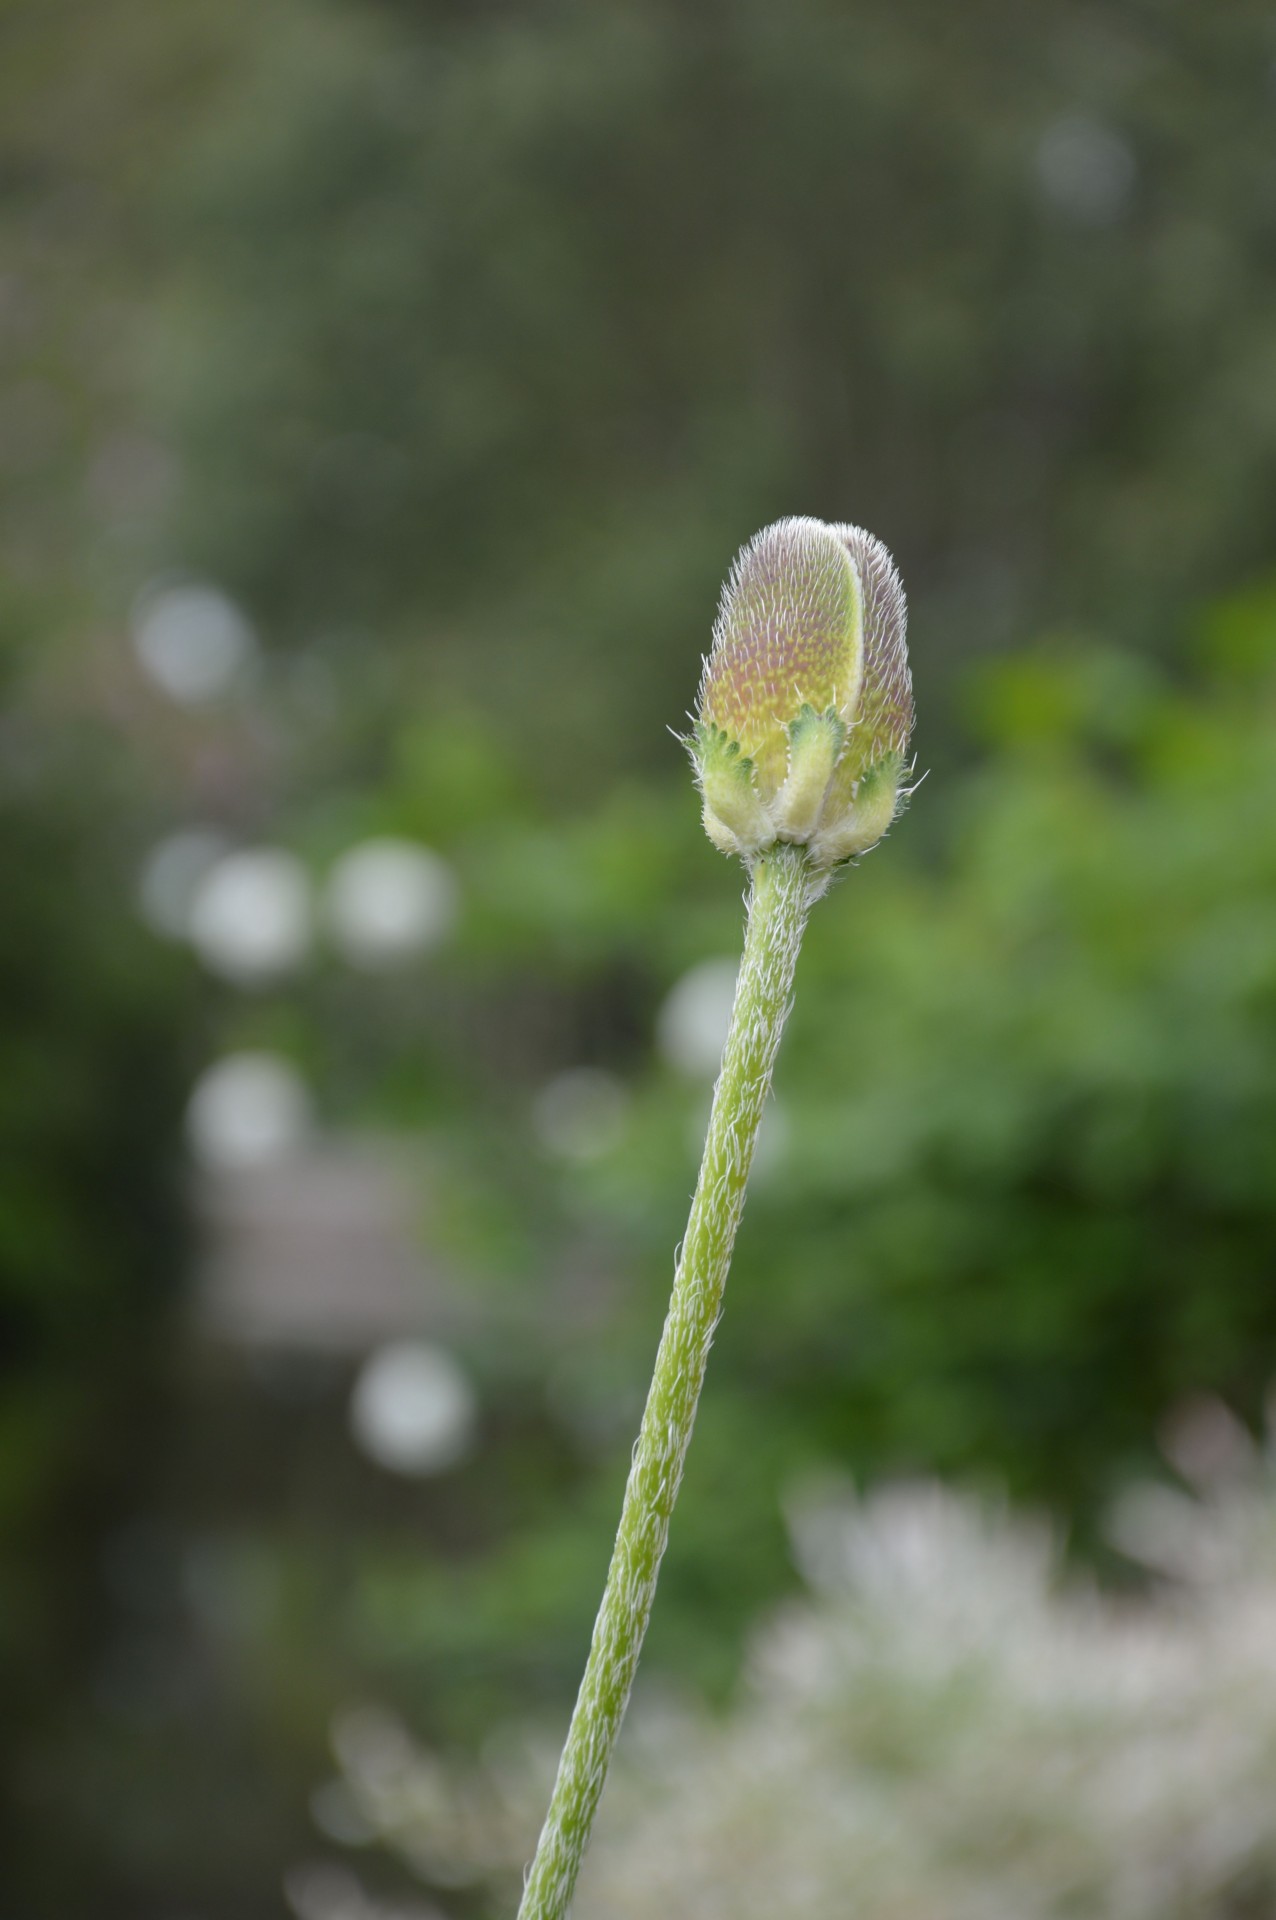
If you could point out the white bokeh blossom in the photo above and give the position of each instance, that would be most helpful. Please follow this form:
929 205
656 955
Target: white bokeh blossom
945 1726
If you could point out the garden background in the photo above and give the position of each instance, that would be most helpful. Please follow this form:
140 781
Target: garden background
384 391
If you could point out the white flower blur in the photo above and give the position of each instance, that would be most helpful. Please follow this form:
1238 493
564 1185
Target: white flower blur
388 901
250 917
413 1409
171 877
1086 170
247 1110
691 1027
944 1728
191 641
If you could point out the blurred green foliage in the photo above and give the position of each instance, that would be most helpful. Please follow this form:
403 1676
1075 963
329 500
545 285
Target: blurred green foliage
495 332
1020 1203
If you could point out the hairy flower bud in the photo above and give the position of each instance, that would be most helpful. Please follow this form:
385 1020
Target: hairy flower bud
806 703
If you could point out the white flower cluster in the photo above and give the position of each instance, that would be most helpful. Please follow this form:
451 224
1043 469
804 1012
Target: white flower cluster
945 1730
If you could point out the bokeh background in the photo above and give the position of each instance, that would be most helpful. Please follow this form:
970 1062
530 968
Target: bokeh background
385 386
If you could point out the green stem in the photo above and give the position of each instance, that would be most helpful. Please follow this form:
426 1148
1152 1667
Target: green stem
778 905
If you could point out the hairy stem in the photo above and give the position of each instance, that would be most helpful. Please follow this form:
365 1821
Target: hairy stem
778 906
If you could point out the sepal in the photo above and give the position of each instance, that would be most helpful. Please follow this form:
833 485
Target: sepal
734 816
816 741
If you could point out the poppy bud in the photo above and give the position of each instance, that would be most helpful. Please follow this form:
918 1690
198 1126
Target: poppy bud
806 703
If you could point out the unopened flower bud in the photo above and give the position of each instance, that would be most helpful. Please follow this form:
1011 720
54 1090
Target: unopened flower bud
806 703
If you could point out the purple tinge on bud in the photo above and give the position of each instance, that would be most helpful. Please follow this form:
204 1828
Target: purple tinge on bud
806 701
787 635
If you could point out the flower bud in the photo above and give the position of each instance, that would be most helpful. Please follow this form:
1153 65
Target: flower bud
806 703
